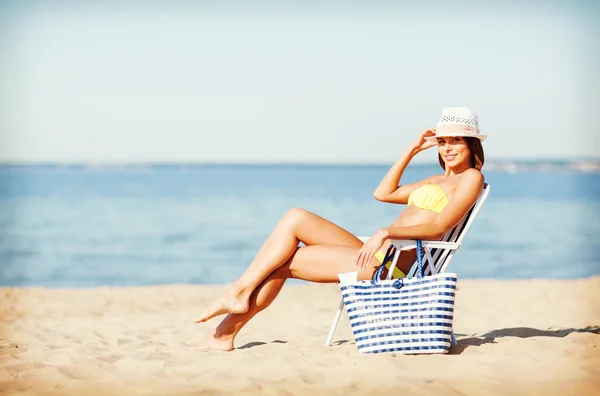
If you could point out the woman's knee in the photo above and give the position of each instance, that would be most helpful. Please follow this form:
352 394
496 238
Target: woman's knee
295 216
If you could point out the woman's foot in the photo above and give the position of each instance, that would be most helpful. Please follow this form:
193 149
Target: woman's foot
230 302
214 343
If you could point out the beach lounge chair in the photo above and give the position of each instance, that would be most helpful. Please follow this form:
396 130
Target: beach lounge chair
438 254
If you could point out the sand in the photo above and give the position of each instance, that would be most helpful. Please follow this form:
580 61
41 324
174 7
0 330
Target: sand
525 337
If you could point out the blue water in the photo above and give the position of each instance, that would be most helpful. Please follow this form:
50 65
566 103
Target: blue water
79 227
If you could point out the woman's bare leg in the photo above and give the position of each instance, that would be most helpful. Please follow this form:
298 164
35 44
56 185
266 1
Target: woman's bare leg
223 336
297 225
312 263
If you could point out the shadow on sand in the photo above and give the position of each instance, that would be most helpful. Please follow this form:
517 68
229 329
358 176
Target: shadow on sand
259 343
520 332
487 338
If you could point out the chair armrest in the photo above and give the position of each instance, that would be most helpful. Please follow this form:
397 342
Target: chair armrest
406 244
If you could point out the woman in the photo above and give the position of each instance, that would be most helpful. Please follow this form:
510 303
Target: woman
435 206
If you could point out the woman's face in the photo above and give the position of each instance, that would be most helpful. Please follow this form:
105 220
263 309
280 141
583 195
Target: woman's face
454 150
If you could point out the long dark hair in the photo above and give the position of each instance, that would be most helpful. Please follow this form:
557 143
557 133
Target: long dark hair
476 149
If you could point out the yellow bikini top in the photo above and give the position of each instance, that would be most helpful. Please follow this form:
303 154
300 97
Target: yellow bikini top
429 197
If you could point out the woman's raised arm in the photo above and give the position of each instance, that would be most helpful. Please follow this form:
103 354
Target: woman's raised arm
389 189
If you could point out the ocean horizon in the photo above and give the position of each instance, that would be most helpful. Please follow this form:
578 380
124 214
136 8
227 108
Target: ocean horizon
579 165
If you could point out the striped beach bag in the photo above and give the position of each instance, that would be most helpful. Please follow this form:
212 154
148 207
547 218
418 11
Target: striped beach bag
407 315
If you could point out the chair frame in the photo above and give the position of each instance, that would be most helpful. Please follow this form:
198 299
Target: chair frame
438 254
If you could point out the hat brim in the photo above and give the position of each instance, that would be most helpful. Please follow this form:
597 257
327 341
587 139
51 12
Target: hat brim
434 138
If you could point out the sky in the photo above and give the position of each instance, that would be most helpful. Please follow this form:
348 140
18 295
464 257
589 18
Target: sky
325 82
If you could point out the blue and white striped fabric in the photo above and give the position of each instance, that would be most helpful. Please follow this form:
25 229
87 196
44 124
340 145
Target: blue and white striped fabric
409 315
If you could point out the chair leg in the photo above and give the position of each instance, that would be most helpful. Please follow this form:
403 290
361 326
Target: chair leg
453 338
335 323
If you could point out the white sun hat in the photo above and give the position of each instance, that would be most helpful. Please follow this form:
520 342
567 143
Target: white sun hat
457 121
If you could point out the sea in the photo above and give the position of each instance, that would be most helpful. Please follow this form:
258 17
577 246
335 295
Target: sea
81 226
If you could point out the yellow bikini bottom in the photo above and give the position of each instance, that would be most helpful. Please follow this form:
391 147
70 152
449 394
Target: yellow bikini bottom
397 272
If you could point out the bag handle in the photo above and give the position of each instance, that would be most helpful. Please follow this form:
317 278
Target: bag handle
399 283
419 259
377 274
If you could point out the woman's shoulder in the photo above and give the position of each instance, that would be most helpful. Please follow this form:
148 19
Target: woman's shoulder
472 176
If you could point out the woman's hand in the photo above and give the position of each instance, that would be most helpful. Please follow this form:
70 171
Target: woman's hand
368 250
423 144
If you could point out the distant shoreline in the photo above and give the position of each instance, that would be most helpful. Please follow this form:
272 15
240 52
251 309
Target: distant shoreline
506 165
